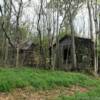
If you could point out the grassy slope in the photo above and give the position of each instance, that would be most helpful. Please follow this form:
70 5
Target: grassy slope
24 77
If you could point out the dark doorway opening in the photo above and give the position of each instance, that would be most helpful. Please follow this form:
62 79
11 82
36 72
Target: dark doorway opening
67 56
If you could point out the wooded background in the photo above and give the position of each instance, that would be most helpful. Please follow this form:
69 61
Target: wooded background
52 19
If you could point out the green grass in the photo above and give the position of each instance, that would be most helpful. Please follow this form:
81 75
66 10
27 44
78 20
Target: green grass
40 79
91 95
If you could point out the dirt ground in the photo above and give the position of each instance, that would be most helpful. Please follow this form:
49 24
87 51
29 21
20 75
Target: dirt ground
29 94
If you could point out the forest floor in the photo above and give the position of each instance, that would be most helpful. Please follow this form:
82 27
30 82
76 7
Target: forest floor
32 84
28 94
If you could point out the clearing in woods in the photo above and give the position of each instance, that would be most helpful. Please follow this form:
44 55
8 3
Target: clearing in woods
32 84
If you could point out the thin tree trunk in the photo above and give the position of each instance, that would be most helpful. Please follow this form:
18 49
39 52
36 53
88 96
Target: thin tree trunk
57 39
17 56
74 61
52 48
96 40
3 49
6 53
92 36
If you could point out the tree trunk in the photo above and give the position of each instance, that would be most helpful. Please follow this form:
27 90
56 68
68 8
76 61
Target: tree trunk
17 56
91 33
74 61
96 40
6 53
57 39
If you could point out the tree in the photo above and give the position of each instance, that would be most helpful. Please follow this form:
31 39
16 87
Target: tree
92 7
11 13
68 9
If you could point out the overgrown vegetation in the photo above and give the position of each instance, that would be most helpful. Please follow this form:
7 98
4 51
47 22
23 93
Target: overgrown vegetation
91 95
41 79
11 79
